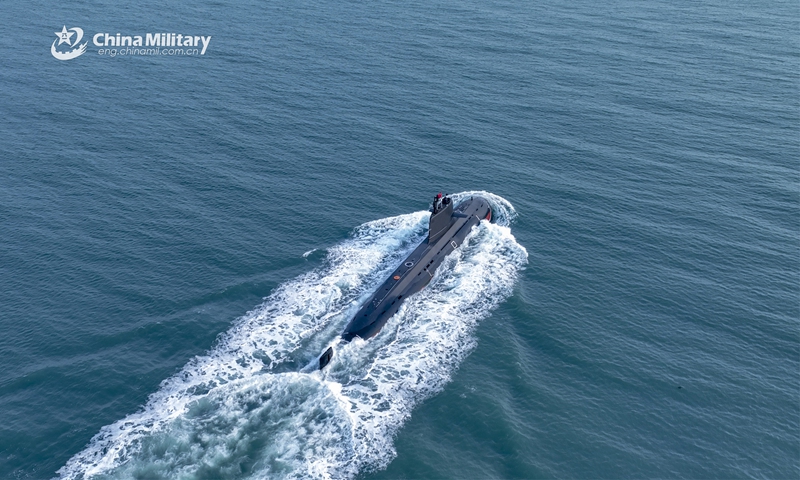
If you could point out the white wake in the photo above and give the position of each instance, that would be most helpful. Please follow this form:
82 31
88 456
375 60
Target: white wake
244 410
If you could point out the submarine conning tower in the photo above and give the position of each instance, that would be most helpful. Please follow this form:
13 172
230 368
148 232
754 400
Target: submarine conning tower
441 214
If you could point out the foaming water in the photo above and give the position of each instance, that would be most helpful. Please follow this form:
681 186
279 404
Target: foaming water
244 409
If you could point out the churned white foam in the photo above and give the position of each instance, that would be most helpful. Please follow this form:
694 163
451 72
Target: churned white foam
235 413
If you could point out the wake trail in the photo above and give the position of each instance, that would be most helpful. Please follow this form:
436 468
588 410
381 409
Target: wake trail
243 410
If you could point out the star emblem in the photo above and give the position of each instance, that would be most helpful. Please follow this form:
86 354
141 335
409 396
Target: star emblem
64 36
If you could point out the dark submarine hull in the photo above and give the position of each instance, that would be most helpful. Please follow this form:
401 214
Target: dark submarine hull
449 226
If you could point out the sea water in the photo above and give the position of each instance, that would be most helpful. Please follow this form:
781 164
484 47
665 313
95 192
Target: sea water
182 235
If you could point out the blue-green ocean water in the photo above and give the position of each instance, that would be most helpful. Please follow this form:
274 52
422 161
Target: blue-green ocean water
179 236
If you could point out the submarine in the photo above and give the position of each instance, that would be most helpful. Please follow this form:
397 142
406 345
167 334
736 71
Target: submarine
448 226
